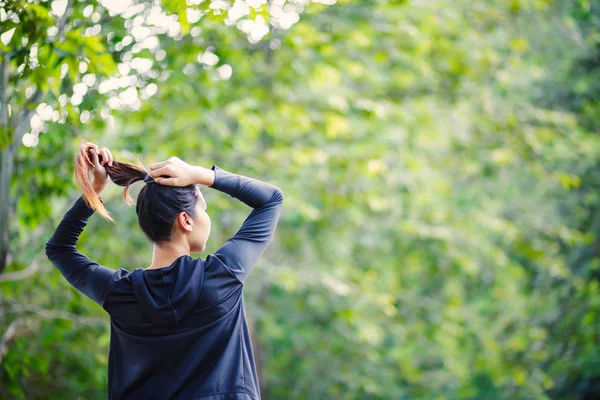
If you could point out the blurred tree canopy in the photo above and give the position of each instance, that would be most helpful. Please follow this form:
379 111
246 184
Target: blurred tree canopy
440 162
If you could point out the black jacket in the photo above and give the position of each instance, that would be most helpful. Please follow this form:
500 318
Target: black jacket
178 332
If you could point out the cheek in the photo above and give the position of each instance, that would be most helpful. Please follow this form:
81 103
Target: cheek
207 221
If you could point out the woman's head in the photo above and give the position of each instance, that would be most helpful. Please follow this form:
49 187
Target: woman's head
165 213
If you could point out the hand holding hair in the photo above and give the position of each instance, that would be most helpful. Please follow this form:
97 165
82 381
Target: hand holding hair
96 160
176 172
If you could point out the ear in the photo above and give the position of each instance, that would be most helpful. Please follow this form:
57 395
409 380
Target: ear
185 221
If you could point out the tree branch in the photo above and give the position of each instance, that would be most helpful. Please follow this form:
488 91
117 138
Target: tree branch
22 274
8 336
34 265
3 91
12 331
63 21
58 314
24 120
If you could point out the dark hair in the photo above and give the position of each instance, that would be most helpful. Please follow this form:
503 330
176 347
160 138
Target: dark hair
157 205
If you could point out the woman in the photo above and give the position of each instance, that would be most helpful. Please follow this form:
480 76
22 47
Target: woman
178 327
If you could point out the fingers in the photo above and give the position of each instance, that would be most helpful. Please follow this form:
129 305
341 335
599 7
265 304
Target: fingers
158 165
102 153
165 181
97 153
164 175
165 170
95 159
88 145
106 156
92 149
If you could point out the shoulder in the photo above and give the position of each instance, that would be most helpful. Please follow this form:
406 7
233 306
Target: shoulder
215 264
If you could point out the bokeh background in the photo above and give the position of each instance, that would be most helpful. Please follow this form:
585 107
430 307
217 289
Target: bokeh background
440 235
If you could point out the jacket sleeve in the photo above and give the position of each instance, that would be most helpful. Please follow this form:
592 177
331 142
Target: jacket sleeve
241 252
85 275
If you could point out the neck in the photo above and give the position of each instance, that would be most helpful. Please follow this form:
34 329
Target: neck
166 254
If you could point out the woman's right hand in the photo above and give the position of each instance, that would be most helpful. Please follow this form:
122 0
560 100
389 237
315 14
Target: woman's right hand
174 172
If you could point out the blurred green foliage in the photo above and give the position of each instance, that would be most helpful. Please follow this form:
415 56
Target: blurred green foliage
439 159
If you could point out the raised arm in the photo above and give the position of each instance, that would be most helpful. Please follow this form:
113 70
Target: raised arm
241 252
85 275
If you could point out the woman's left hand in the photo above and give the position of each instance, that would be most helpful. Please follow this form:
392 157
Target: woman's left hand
98 169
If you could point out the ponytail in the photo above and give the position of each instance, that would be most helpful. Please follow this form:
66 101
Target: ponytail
121 173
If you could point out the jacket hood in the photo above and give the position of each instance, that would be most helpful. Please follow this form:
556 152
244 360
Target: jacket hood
168 294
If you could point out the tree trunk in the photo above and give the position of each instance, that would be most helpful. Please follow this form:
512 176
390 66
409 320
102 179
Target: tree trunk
6 164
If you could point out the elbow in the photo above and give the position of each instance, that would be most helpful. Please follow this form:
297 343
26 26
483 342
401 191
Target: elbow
51 249
277 196
48 250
